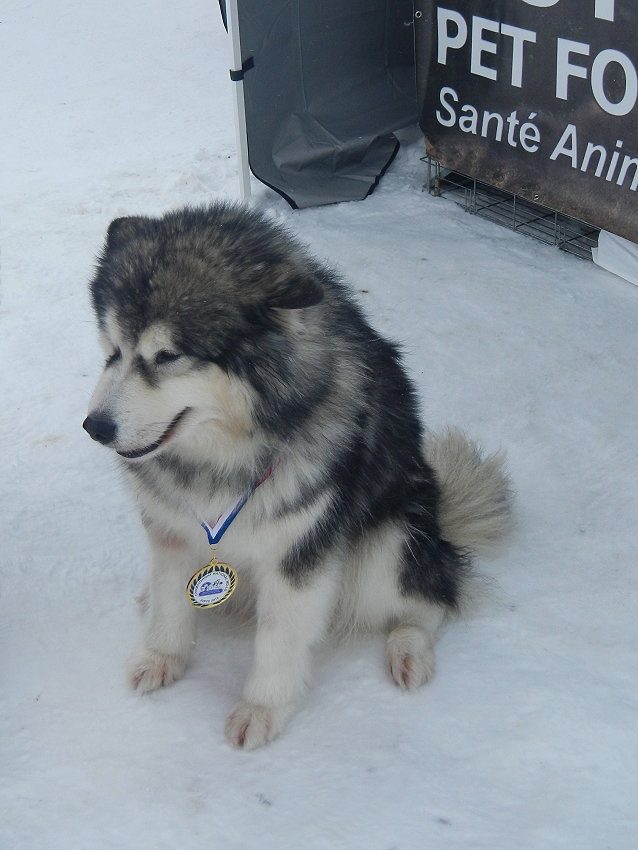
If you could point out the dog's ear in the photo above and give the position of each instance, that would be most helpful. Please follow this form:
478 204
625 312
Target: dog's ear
290 288
123 230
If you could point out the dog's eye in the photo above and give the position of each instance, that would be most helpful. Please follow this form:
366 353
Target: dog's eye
113 358
163 357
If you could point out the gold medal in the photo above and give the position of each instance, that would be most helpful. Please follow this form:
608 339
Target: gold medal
212 585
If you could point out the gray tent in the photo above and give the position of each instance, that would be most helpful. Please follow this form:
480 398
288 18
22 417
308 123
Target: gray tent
325 84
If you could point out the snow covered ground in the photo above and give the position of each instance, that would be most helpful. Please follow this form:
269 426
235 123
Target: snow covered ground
528 736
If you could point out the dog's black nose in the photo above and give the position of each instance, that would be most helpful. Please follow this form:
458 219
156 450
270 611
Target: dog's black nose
101 428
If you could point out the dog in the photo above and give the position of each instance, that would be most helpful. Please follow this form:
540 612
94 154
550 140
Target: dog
245 393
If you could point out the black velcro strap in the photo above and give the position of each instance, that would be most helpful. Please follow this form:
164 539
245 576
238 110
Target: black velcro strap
237 76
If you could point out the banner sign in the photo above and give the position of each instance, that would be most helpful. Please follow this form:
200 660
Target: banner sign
537 97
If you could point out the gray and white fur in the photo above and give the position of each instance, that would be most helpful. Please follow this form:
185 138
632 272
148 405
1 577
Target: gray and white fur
230 349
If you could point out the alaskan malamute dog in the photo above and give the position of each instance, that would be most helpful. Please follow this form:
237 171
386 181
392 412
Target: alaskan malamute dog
249 400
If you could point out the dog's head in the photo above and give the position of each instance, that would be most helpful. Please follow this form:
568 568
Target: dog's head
198 311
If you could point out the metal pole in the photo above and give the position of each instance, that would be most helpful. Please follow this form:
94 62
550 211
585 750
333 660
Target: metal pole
239 105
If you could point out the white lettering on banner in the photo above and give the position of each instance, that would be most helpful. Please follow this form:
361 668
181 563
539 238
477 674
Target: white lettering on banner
445 39
485 40
480 46
596 83
628 101
598 156
471 121
452 33
603 9
566 69
596 160
519 36
448 120
530 135
627 163
562 149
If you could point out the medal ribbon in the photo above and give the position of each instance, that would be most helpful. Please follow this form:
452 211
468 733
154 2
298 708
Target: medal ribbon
214 583
223 521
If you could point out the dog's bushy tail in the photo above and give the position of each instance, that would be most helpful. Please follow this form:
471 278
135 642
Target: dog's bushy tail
475 511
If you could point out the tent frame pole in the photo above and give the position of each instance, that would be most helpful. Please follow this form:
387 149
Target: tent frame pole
241 136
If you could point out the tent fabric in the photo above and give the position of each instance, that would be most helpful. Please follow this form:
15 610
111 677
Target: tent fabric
326 84
617 255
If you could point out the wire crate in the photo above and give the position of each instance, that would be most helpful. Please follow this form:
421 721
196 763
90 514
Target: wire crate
512 211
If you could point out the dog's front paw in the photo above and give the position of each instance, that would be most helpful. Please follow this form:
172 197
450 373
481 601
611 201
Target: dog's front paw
250 726
410 657
149 670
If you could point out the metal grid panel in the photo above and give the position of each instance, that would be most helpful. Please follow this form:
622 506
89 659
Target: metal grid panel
510 210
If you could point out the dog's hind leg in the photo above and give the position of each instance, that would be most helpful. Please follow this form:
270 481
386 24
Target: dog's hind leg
170 629
379 601
291 619
410 647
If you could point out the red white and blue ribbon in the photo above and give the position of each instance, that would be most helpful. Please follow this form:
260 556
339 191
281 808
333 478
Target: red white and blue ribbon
216 531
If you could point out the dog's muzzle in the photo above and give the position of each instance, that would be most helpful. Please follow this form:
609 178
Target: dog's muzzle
104 430
100 428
